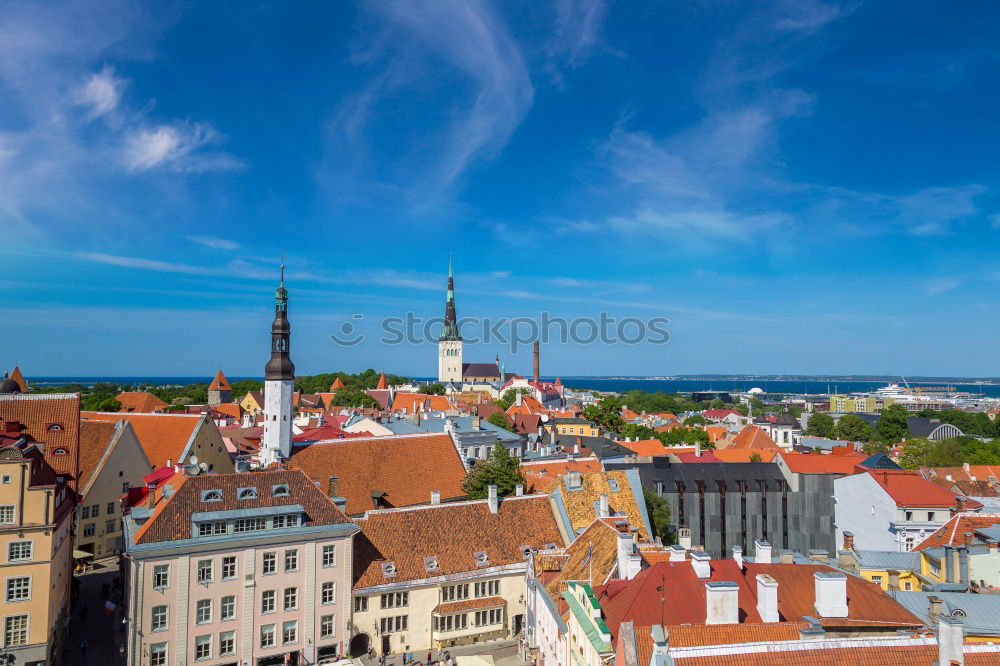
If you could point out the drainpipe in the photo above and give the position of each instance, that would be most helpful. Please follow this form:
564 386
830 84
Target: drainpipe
947 564
963 557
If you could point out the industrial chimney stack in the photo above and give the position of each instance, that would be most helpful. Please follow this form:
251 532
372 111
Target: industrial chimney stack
536 362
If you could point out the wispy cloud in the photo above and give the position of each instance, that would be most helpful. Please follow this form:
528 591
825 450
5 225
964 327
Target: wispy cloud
101 92
215 243
578 26
176 147
423 45
941 285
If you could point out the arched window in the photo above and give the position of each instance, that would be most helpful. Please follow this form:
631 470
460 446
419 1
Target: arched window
247 493
60 452
55 426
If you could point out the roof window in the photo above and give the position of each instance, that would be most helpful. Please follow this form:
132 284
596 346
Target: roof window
246 493
613 485
280 490
55 426
482 560
60 452
213 495
389 569
431 563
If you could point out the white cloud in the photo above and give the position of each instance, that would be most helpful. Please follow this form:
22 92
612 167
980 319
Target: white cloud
578 24
101 92
175 147
941 285
808 15
214 243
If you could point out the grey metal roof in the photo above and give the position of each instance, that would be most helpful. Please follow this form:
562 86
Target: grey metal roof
980 613
879 461
661 470
480 370
888 559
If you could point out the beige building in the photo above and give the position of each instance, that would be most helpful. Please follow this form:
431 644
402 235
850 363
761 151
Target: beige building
250 568
111 460
439 575
36 508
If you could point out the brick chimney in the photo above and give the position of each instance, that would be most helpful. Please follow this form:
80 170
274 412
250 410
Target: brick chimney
722 603
333 486
535 372
818 555
767 598
959 504
848 541
935 605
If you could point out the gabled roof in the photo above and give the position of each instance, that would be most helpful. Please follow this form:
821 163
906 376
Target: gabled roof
752 437
953 532
172 517
528 406
787 420
95 438
164 437
220 383
817 463
593 556
52 419
907 488
140 401
480 370
451 534
580 501
406 468
540 473
382 382
336 385
419 402
719 414
16 375
645 447
732 455
879 461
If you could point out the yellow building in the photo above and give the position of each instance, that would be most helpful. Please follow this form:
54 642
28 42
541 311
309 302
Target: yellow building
852 403
253 402
572 426
889 569
36 509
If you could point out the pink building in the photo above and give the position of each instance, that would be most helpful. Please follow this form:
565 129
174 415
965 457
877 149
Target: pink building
251 568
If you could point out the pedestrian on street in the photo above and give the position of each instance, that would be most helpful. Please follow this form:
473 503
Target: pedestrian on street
429 656
83 646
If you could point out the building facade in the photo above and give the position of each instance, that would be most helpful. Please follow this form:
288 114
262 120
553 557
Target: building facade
251 569
279 384
450 342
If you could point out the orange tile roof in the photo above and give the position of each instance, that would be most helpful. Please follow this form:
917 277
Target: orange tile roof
470 604
415 402
691 635
94 440
540 473
220 383
743 455
859 655
382 383
452 534
163 436
16 375
52 419
592 556
953 532
753 437
406 468
909 489
579 503
140 401
336 385
815 463
646 447
230 409
528 406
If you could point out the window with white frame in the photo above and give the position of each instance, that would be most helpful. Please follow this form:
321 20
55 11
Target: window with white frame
450 622
227 643
18 589
328 593
290 599
287 520
267 598
290 632
211 527
203 647
20 551
330 556
161 576
203 611
249 525
267 636
291 560
229 567
395 600
490 617
227 608
360 604
269 563
88 530
327 626
15 630
204 571
455 592
391 624
158 654
84 512
160 619
488 588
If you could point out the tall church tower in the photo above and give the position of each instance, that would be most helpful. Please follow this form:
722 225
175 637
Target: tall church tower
279 384
450 342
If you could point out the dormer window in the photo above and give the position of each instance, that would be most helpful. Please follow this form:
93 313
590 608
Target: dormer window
430 563
550 546
54 427
280 490
389 569
211 496
482 560
613 485
246 493
60 452
526 552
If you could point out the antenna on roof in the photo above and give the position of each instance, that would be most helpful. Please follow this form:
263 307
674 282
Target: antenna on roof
192 470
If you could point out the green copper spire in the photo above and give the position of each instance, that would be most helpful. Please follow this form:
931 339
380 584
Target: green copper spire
281 294
450 329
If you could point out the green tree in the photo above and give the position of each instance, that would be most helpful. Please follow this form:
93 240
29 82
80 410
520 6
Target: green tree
500 469
891 426
854 428
352 397
244 386
432 389
694 420
500 420
659 515
821 424
755 457
509 396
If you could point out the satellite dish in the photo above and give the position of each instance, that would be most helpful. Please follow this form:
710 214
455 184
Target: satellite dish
203 467
193 460
192 470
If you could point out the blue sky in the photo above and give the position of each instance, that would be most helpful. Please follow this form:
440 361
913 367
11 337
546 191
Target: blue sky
800 187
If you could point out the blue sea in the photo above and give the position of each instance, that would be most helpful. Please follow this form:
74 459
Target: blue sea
682 385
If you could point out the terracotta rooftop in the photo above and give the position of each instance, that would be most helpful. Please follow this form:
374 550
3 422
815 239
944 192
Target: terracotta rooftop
52 419
752 437
953 532
405 468
140 401
16 375
539 473
382 383
816 463
909 489
163 436
579 502
688 635
220 383
336 385
719 414
171 519
470 604
592 556
419 402
646 447
94 440
451 534
743 455
849 652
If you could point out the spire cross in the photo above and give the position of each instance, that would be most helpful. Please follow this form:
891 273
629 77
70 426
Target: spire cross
282 265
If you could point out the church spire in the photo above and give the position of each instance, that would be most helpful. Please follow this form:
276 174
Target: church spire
450 329
280 365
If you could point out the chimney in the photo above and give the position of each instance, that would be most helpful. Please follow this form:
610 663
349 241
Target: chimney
847 561
762 552
517 398
848 541
786 557
476 423
767 598
151 491
603 511
701 562
738 556
494 501
573 479
949 564
697 449
893 579
831 593
935 604
951 638
960 503
818 555
722 603
677 553
684 537
629 561
535 373
963 558
435 497
332 486
519 489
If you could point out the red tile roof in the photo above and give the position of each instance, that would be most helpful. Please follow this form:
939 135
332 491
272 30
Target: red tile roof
719 414
817 463
909 489
692 457
94 440
382 383
690 635
953 532
406 468
647 447
336 385
452 534
470 604
861 653
52 419
16 375
171 519
220 383
140 401
752 437
540 473
743 455
163 436
419 402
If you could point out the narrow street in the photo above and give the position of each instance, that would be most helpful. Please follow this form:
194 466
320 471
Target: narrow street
104 633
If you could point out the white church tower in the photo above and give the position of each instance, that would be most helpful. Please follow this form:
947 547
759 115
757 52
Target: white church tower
450 342
279 384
